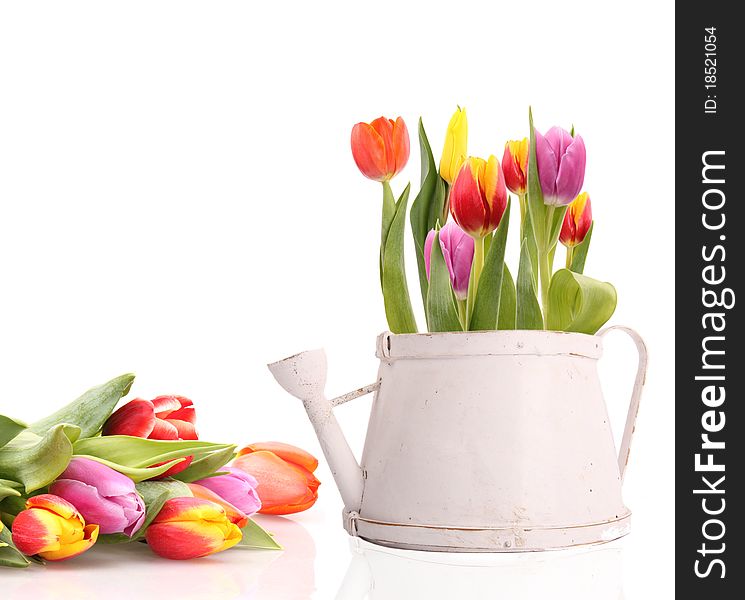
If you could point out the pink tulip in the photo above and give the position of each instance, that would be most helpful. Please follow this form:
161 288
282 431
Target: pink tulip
561 161
237 487
457 249
101 495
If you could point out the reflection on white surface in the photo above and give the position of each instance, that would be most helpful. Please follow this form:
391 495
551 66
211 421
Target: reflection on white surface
131 571
377 573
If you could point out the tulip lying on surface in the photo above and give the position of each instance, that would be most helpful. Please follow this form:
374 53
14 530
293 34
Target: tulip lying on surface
455 150
560 159
236 487
191 528
285 476
163 418
101 495
380 148
52 528
515 165
478 197
457 249
577 221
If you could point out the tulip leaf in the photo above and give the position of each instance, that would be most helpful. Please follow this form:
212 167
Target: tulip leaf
35 461
428 206
507 301
441 310
136 474
206 466
90 411
536 207
9 428
579 303
9 555
528 311
486 306
529 235
137 452
389 211
579 254
395 290
256 537
9 488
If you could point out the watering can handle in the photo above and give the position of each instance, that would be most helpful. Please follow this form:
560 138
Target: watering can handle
636 394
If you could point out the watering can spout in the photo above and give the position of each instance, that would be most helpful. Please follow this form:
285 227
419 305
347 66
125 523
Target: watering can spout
304 376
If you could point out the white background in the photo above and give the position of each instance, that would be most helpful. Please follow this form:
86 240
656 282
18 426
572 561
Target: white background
178 199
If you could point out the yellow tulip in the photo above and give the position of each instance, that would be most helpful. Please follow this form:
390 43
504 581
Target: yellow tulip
456 146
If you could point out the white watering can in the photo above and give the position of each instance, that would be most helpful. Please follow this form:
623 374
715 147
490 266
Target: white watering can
478 441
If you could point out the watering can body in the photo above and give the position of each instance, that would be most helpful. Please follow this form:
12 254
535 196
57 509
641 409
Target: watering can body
484 441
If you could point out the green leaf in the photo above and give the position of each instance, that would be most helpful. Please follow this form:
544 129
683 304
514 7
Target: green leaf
528 313
389 211
442 314
557 219
9 555
428 206
35 461
529 236
206 466
486 306
90 411
507 302
395 290
579 255
9 488
536 207
255 536
136 474
579 303
9 428
139 452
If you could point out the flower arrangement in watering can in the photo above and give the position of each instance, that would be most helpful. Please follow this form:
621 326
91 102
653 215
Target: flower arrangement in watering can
501 399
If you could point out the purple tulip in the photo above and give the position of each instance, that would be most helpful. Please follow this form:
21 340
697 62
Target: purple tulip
103 497
457 249
561 165
237 487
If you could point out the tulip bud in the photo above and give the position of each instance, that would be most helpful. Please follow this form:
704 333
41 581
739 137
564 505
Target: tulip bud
285 476
163 418
191 528
515 165
52 528
457 249
102 495
577 221
237 487
380 148
456 146
560 159
478 197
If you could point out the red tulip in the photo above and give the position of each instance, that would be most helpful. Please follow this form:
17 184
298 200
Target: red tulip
191 528
515 165
163 418
479 197
380 148
577 221
285 475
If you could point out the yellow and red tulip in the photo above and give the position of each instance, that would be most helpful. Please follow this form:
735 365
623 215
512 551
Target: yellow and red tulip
380 148
478 197
577 221
284 474
191 528
515 165
52 528
234 514
455 150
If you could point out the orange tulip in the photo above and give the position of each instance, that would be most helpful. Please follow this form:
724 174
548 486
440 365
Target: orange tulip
380 148
285 475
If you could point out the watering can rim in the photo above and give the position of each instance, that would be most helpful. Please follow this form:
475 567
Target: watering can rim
488 343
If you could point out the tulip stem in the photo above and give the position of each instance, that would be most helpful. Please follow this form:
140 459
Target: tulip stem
462 312
570 256
473 282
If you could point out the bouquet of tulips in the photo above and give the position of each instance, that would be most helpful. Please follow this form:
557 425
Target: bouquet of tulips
88 474
464 281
